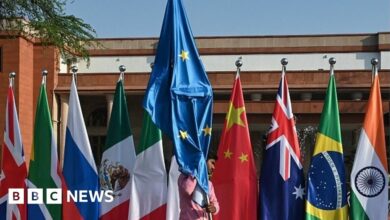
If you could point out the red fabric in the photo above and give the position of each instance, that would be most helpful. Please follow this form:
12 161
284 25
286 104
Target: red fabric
234 179
158 213
69 209
14 172
119 212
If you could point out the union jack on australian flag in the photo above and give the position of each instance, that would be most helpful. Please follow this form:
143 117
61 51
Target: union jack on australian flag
281 178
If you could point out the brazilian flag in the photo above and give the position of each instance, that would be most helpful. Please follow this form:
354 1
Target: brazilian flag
326 187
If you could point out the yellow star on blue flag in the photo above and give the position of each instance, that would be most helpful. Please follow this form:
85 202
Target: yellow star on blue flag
179 96
184 55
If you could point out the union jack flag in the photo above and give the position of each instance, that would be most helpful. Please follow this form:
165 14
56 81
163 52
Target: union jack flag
283 130
281 178
13 170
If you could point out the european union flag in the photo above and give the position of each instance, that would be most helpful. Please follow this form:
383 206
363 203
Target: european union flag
179 95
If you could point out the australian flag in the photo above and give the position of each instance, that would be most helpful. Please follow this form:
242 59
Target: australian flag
179 95
281 179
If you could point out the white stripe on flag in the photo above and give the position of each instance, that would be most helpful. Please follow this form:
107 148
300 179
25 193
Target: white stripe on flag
173 199
149 182
77 128
366 156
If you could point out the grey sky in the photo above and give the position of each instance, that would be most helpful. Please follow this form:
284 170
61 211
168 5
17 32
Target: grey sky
143 18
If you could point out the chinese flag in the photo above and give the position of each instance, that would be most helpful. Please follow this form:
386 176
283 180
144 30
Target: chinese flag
234 177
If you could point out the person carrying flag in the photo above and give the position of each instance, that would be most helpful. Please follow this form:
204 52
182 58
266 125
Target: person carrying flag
187 184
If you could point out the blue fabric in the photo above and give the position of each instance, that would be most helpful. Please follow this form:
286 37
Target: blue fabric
281 179
179 95
34 212
79 175
3 210
321 188
277 200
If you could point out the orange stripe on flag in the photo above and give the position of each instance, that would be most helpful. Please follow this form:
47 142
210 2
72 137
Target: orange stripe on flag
373 122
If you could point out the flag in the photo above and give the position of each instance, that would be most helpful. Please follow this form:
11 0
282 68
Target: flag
44 166
79 169
281 178
179 95
369 181
234 177
13 170
173 198
118 159
327 194
149 182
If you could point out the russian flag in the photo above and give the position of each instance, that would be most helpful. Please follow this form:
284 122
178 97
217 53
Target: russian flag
79 171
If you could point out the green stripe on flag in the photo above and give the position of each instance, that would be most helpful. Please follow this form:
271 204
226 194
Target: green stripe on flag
40 163
327 165
311 217
330 122
150 134
356 210
119 126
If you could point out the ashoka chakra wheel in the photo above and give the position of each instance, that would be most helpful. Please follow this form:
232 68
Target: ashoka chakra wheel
370 181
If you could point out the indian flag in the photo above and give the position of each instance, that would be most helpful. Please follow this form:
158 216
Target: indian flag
149 182
44 168
118 159
369 179
326 187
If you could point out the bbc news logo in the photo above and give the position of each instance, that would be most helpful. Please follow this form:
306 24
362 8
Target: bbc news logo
54 196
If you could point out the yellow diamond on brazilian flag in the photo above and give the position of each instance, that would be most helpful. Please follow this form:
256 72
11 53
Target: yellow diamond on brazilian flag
327 194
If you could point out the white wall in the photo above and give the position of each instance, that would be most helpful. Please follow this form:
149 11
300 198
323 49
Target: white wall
255 62
384 60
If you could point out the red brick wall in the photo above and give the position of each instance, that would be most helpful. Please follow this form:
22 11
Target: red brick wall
24 91
27 60
45 58
10 49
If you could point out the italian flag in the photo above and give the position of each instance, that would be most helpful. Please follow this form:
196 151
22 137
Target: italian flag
44 166
149 182
369 176
118 159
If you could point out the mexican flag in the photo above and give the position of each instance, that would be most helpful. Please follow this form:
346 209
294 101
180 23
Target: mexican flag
369 176
149 182
44 166
118 159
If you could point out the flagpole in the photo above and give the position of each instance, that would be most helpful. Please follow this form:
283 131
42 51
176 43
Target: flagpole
74 72
332 62
122 70
238 65
12 76
284 62
374 62
44 74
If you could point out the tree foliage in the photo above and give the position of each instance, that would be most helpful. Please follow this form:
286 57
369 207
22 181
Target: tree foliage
46 20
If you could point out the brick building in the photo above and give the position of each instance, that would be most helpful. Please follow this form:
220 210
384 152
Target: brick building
307 73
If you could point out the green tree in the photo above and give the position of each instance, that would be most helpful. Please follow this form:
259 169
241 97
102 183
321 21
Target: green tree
47 21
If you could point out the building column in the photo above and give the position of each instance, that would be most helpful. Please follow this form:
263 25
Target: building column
110 101
63 122
54 117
